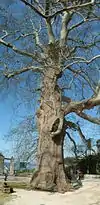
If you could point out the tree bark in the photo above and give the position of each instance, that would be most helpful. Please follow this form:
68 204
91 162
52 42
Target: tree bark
50 175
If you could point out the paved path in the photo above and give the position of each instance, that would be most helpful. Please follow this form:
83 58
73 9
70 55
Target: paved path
89 194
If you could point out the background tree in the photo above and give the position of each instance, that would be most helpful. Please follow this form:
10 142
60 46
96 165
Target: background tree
24 140
59 40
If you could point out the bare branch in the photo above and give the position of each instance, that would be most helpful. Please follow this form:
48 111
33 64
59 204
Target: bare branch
50 31
36 35
67 87
83 75
85 20
47 7
24 35
63 35
89 118
78 107
33 8
70 125
81 135
92 59
87 142
81 60
74 143
76 25
72 8
24 53
11 74
66 99
5 35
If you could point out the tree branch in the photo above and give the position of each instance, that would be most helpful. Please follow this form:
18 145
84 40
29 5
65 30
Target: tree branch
89 118
83 75
81 135
80 60
70 8
24 53
48 23
73 141
36 35
66 99
70 125
85 20
33 8
11 74
78 107
50 31
63 35
87 142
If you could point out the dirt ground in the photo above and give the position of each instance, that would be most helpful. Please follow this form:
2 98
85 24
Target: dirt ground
89 194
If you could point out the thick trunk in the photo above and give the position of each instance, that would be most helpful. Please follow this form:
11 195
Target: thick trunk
50 175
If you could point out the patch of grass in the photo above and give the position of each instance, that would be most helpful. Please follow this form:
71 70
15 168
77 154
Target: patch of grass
25 172
18 185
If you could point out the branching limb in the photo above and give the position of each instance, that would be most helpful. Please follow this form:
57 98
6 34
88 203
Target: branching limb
81 135
81 60
85 20
67 87
66 99
65 9
48 22
89 118
70 125
11 74
39 6
63 35
87 142
50 31
9 45
72 8
78 107
21 52
5 35
74 143
82 74
33 8
76 25
36 35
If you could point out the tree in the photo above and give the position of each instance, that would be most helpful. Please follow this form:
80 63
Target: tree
24 139
61 44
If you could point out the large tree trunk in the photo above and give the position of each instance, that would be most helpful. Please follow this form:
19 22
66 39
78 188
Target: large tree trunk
50 175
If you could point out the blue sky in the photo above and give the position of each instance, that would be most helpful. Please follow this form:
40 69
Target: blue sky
6 119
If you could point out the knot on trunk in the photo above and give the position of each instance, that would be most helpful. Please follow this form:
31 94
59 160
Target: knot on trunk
56 126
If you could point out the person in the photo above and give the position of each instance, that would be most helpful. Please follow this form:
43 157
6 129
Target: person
5 173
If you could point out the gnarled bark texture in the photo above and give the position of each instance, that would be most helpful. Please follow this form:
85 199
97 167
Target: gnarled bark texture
50 175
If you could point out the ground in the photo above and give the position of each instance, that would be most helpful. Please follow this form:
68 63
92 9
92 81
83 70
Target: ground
89 194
